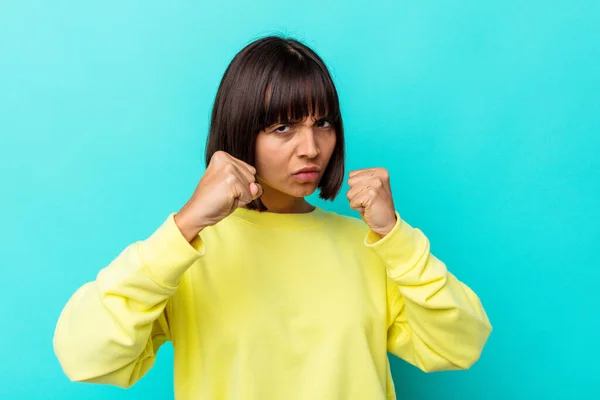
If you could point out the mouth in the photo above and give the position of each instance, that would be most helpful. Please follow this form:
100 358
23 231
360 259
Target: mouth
308 174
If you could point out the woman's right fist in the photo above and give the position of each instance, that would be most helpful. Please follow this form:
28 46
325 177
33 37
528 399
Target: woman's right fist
226 184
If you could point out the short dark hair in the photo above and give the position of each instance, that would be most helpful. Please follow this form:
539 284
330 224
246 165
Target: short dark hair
272 80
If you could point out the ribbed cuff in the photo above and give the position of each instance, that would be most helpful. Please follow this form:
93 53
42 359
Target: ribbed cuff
167 254
398 249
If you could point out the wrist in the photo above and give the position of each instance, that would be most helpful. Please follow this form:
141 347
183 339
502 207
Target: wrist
385 231
188 229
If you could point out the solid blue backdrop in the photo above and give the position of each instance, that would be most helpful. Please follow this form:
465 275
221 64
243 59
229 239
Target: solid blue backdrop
485 113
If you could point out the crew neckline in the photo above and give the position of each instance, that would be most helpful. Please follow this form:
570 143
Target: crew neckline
269 219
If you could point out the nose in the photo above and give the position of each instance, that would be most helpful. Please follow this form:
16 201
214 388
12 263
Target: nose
308 146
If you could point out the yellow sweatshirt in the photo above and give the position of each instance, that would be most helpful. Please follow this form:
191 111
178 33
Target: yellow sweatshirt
273 306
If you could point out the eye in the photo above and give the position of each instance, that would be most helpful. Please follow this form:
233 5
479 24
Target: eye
282 129
323 123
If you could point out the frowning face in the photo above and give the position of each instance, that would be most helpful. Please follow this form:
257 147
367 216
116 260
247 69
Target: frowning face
292 157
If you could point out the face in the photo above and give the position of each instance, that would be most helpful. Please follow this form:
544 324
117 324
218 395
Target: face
291 159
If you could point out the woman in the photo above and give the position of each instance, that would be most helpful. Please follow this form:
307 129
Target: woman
263 295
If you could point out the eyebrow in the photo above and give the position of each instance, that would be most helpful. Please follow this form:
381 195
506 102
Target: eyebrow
317 119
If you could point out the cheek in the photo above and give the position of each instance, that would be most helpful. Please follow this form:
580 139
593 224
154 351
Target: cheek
262 164
269 158
328 145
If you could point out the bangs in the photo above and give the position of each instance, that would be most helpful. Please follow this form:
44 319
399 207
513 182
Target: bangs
297 89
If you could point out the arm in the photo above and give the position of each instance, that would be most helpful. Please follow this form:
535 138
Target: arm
111 328
435 322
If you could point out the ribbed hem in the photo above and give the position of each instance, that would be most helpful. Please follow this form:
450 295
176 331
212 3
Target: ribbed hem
167 254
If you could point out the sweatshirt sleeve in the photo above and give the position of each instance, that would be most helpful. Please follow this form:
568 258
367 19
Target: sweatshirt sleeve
111 328
435 322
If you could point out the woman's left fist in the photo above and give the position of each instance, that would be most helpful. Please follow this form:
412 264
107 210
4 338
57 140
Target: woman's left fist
371 195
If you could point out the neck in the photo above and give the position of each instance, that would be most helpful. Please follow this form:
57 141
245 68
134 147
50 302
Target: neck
281 203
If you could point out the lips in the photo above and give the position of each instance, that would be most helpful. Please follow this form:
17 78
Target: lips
307 174
310 168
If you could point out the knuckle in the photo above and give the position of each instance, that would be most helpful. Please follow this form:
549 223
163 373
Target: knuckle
218 155
231 179
229 168
218 158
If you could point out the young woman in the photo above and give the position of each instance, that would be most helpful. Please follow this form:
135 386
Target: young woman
263 295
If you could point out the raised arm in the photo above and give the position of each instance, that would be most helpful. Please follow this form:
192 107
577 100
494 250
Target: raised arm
435 322
111 328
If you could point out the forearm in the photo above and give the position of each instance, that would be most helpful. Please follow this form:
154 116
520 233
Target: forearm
436 321
107 323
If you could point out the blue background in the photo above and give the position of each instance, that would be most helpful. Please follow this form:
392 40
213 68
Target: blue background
485 113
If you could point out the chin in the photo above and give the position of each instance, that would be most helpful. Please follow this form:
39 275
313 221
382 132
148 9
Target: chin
311 190
292 188
306 193
301 190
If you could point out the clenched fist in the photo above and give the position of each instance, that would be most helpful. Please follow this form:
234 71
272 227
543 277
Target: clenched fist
226 184
371 195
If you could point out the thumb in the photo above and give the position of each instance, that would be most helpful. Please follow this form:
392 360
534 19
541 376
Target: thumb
255 190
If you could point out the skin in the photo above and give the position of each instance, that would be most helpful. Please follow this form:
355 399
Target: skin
371 195
282 150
